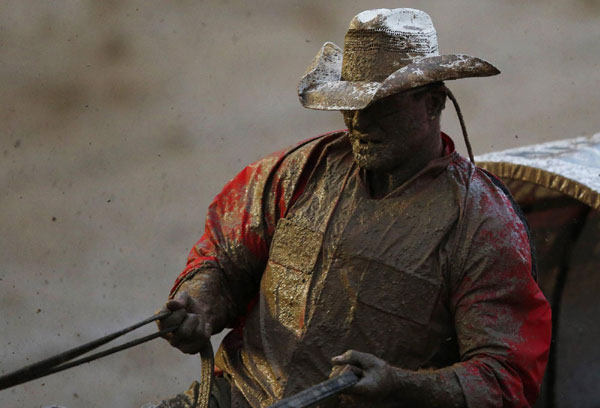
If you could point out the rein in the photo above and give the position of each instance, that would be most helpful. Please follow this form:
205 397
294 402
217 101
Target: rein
63 361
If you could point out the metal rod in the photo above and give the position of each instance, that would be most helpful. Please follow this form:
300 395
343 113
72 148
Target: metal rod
313 396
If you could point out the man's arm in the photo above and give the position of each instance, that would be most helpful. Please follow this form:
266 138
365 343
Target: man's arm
502 319
225 266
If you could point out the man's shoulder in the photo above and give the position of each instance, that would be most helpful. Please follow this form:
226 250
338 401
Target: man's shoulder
299 153
287 165
483 194
490 217
308 146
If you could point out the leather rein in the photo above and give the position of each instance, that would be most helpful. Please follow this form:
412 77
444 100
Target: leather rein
65 360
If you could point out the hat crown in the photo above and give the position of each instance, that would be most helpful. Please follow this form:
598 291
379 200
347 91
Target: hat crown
400 19
381 41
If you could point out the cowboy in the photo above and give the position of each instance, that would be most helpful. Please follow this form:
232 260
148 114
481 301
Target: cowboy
378 249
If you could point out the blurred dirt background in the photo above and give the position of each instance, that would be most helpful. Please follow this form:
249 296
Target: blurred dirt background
121 119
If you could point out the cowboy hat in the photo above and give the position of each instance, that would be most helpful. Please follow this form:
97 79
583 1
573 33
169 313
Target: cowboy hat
385 52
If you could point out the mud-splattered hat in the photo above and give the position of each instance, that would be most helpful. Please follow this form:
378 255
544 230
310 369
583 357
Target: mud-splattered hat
385 52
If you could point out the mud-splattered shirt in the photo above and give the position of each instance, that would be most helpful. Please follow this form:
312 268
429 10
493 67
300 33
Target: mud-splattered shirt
435 275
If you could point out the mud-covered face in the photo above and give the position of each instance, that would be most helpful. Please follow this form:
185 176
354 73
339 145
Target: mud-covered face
384 134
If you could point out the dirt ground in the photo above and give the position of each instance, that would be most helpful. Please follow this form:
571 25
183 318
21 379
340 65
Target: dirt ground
121 119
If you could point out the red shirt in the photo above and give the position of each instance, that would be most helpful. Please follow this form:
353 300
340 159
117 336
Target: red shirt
435 275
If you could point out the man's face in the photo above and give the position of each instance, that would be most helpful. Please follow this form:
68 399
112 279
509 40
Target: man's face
384 134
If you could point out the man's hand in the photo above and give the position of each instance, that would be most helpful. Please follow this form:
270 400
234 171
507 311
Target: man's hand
376 377
194 328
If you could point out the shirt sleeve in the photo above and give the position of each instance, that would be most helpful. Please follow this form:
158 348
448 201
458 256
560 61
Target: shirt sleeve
232 253
502 319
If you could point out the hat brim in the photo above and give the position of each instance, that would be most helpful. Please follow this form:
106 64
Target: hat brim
321 87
